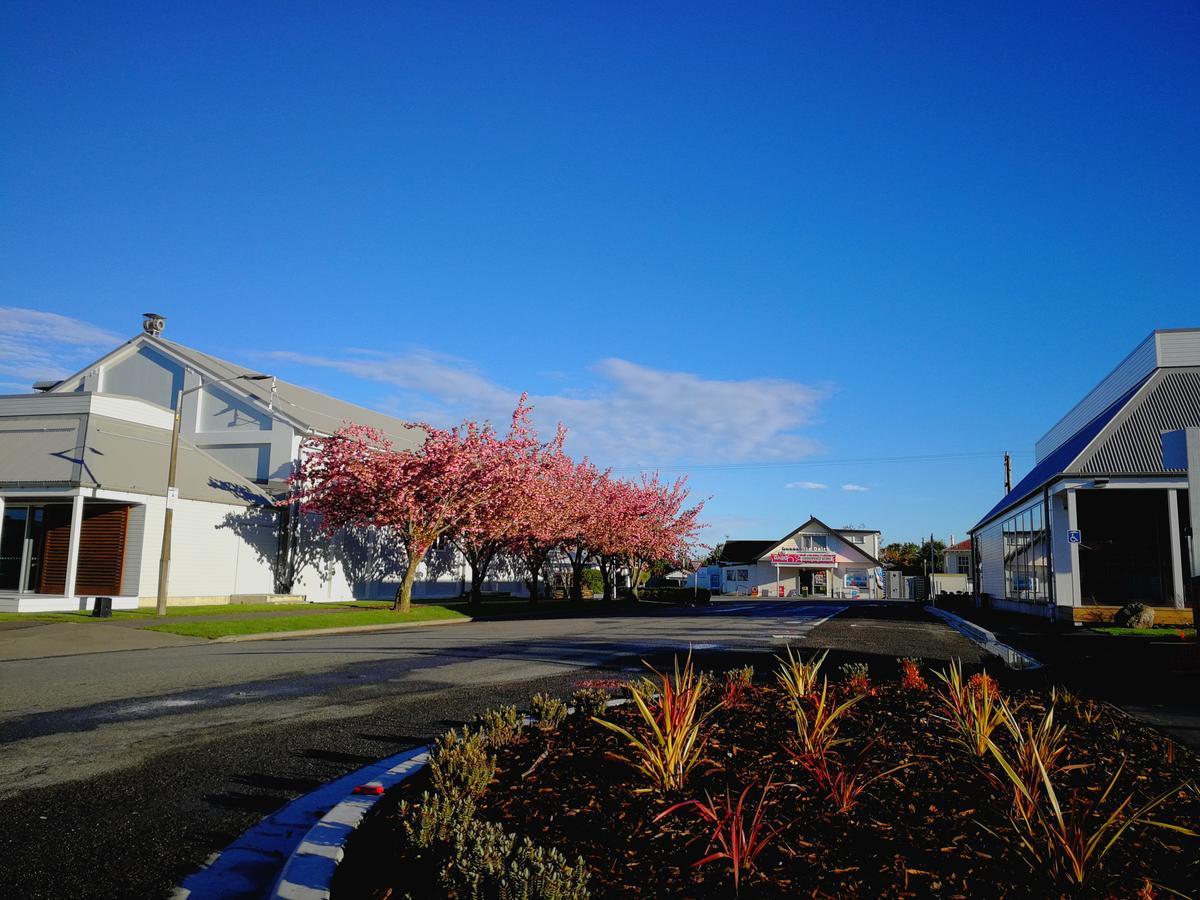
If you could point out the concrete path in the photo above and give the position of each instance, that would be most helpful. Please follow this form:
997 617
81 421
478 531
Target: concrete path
37 640
122 771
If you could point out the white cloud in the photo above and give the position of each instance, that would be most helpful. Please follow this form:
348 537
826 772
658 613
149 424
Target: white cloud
37 345
807 485
854 487
634 415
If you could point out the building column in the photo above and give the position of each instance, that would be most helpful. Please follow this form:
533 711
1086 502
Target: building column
73 544
1178 585
1073 550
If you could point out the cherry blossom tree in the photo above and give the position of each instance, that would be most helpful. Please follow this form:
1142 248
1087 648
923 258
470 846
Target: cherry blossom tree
581 495
545 515
356 478
499 523
659 527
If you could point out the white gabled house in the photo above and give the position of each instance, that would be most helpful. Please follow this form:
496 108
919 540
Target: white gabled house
83 474
814 560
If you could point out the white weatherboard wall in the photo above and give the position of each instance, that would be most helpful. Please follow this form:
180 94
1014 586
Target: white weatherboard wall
210 557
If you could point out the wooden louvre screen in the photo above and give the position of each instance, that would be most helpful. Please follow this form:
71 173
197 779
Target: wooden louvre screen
101 551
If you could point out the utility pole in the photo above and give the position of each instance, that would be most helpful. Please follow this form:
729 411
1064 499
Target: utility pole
1007 474
164 559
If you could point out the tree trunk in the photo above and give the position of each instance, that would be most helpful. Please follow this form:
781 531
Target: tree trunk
578 559
414 556
403 601
635 579
534 562
608 573
479 562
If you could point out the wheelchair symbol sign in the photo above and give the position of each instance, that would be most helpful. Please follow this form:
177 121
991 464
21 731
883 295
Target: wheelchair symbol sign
1074 537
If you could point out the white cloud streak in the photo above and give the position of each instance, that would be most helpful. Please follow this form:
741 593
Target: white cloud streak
854 487
37 345
634 415
806 485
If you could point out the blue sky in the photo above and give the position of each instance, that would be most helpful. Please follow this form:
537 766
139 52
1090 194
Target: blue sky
715 238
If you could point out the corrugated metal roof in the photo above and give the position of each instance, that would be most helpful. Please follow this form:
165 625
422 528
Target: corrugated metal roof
318 411
97 451
1060 460
1133 443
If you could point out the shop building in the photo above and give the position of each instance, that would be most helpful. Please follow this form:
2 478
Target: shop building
814 560
1101 519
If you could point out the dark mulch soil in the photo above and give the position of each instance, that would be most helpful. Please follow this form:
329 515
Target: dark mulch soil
936 828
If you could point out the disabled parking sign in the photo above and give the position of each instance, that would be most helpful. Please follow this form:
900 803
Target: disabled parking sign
1074 537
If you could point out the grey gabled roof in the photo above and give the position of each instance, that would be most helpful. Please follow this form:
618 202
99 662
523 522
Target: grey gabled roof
316 411
735 552
1132 441
1124 439
88 450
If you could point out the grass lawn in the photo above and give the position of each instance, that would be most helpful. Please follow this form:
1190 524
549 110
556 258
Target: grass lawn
217 609
343 619
1166 633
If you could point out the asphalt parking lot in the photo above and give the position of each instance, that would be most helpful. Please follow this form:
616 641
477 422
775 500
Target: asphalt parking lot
121 772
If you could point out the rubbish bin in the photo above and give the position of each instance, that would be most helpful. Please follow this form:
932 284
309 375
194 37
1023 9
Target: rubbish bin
102 608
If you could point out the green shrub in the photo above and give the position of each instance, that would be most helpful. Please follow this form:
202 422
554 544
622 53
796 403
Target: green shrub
501 727
593 581
476 862
484 863
460 763
548 710
743 675
535 873
680 596
590 701
643 685
435 818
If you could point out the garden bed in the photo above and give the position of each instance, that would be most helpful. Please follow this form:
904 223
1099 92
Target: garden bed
941 825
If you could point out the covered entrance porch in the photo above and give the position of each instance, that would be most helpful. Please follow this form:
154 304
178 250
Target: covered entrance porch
803 581
61 551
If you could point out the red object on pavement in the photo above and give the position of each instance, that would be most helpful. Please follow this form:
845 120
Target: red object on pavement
781 590
369 789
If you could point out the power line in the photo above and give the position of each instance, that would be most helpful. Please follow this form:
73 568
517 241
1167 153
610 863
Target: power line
817 463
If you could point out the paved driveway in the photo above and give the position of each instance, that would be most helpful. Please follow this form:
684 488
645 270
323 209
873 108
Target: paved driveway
121 771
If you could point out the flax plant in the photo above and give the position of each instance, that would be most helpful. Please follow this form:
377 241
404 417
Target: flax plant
975 711
739 831
1035 748
1072 841
672 740
817 733
798 677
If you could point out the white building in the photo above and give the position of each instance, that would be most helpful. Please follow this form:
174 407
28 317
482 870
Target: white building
83 473
1097 523
814 560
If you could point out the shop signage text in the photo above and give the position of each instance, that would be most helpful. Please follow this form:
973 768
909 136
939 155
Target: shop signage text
803 558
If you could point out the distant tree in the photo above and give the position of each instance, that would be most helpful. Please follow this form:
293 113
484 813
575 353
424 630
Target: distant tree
913 559
939 555
904 556
712 557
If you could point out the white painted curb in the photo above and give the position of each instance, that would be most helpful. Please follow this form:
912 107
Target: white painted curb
311 850
1010 656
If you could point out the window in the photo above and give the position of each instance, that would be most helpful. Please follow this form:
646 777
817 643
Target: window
811 542
1026 555
857 538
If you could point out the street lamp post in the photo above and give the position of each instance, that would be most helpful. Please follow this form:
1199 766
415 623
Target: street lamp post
164 560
